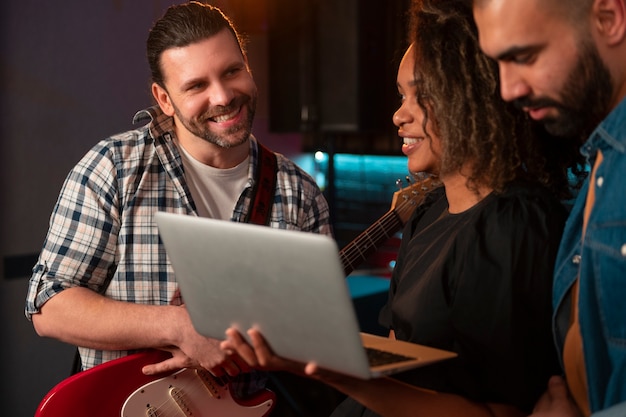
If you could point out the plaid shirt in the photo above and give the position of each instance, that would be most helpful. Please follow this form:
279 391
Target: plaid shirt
102 232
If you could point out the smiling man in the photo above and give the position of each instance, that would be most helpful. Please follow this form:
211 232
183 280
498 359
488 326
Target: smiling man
103 281
564 63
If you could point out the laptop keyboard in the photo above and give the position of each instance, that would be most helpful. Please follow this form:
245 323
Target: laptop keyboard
378 357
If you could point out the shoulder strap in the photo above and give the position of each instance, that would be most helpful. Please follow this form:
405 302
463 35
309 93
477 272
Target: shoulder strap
264 187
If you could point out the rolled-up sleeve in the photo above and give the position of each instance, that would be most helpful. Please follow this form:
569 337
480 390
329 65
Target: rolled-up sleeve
79 248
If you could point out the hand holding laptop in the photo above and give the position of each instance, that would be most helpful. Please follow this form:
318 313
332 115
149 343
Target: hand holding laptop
384 395
258 354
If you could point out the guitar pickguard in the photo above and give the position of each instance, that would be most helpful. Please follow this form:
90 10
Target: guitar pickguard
191 392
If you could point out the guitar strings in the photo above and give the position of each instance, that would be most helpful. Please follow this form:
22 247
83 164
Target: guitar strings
367 241
169 404
389 222
190 388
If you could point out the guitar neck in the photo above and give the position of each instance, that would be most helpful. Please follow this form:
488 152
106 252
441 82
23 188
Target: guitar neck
369 241
404 203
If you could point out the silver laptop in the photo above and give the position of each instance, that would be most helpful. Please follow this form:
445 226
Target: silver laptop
288 284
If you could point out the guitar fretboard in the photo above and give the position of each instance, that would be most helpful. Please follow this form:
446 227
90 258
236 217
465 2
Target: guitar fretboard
405 202
357 251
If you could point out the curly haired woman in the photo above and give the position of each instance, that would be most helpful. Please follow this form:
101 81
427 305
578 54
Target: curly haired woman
474 270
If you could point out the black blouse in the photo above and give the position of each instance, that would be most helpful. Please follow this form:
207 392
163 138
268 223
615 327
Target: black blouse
479 283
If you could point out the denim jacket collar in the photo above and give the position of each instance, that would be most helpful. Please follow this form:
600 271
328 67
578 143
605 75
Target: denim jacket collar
602 139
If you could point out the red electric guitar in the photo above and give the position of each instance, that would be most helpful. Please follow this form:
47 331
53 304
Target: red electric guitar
119 388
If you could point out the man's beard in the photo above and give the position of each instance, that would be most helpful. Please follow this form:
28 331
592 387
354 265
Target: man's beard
233 136
585 98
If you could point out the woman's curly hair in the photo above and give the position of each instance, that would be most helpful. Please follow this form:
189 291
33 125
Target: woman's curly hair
459 93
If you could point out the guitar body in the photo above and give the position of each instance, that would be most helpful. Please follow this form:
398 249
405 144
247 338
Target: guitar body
192 392
104 390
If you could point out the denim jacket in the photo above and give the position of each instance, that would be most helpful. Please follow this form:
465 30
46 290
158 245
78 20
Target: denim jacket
600 263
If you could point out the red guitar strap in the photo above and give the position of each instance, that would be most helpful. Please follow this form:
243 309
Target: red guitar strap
264 187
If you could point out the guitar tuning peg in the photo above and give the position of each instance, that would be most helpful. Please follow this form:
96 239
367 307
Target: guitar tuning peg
399 184
408 179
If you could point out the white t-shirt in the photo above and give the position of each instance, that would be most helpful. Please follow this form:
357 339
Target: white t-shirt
215 191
